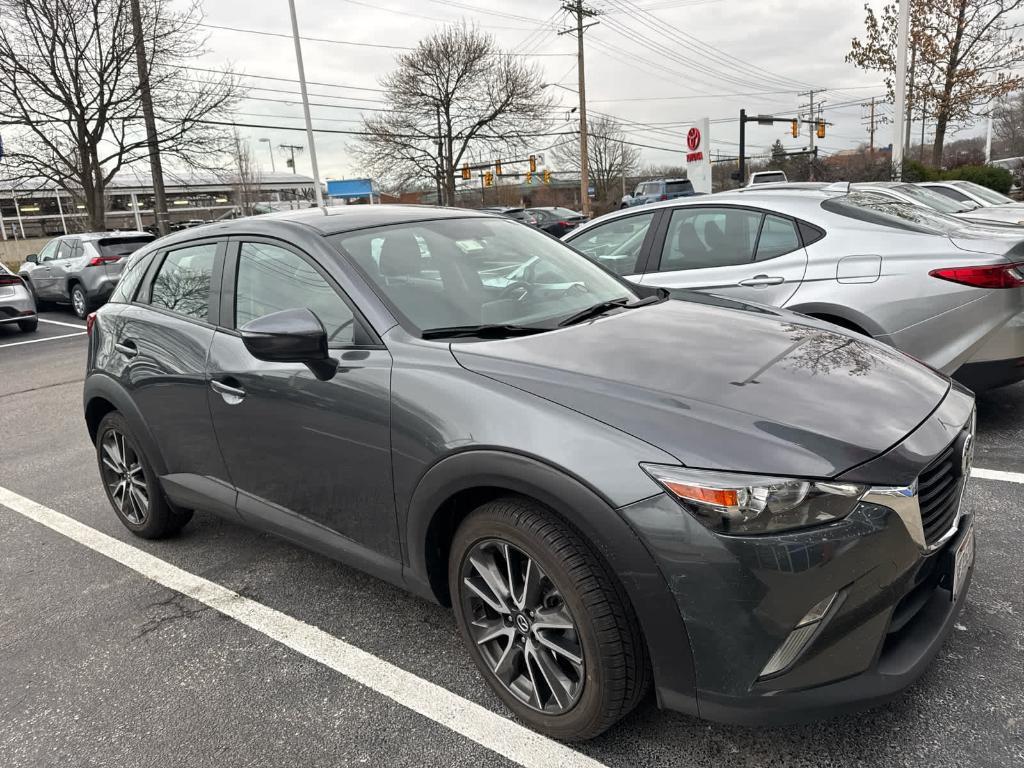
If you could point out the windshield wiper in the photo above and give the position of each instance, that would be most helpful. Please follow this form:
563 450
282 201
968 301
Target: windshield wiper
602 307
481 331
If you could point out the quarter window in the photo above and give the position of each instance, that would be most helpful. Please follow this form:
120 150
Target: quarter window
703 238
778 237
617 244
183 283
272 279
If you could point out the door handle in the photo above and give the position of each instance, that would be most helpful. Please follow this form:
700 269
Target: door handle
762 280
127 348
231 395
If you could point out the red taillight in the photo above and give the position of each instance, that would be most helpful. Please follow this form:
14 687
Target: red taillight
566 224
994 276
663 197
10 280
90 321
98 261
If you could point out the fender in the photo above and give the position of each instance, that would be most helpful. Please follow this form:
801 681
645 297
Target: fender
667 641
100 385
840 311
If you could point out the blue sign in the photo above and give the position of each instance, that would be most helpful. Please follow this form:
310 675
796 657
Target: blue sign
350 188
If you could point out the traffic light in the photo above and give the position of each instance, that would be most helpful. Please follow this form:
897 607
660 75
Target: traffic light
465 171
795 129
497 167
488 179
533 163
529 177
547 176
821 129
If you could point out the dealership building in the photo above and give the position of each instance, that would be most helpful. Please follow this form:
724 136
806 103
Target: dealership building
39 210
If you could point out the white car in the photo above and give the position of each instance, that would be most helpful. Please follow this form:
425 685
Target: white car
999 206
767 177
927 197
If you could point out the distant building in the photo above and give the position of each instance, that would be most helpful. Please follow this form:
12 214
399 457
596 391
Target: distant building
38 210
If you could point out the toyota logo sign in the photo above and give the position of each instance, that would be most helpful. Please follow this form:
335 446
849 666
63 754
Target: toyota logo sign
693 139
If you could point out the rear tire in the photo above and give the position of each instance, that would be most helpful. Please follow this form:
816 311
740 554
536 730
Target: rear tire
30 325
574 610
80 303
131 485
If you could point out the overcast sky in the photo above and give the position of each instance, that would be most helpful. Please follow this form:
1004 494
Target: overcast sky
769 50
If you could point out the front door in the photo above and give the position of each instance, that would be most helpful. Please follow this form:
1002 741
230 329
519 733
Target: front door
741 253
304 454
42 276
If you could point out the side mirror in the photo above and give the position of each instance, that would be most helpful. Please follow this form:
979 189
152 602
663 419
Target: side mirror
32 258
290 336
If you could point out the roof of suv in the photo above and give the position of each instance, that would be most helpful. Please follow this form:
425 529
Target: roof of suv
112 234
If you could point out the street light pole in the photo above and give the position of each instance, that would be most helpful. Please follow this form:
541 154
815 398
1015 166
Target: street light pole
899 108
270 149
305 107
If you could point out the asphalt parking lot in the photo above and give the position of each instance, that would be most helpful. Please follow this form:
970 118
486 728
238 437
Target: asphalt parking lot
102 665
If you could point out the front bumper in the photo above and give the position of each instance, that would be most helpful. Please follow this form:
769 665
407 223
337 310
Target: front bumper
740 597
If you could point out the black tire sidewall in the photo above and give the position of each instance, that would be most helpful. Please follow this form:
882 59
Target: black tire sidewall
158 518
85 301
589 710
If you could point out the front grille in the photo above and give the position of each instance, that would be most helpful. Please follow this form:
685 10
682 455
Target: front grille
938 490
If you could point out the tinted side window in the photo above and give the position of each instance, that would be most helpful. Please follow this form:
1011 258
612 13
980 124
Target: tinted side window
182 284
951 193
48 252
133 273
778 237
700 238
616 245
271 279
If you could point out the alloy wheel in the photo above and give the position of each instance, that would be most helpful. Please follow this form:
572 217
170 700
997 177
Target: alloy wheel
522 626
125 477
78 301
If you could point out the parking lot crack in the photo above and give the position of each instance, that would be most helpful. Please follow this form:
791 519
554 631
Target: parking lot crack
180 608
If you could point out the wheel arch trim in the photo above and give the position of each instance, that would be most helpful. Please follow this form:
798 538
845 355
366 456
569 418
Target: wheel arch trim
102 387
603 526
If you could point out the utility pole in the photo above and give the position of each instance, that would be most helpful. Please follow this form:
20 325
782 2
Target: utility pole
155 168
988 137
871 125
910 99
813 124
305 109
293 148
578 9
440 160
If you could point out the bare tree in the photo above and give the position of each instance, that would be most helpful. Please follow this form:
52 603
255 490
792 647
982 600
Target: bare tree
69 86
966 54
1008 126
455 96
246 177
609 158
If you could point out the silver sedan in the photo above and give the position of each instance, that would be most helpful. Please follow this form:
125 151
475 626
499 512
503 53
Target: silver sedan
16 302
938 288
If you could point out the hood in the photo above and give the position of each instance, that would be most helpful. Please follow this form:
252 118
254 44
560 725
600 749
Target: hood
724 385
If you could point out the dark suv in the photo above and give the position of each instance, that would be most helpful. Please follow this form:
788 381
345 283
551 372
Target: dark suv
752 512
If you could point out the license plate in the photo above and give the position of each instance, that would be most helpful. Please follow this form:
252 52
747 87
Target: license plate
963 561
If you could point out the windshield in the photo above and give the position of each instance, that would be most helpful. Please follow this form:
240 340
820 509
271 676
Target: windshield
988 195
933 200
477 271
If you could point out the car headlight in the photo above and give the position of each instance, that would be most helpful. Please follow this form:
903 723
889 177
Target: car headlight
743 505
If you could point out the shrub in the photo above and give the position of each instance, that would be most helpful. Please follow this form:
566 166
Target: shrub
999 179
913 171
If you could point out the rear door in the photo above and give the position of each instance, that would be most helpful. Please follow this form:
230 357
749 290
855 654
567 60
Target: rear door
743 253
162 340
63 264
305 455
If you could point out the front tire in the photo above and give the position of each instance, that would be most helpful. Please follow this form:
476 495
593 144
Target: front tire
548 626
131 485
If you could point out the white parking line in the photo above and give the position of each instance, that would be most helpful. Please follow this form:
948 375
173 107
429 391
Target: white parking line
61 322
37 341
477 723
997 474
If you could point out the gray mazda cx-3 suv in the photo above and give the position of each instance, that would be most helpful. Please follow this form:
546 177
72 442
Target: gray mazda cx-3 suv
746 509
